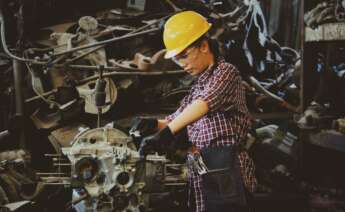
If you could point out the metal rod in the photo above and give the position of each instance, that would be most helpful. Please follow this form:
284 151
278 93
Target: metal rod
106 41
55 178
114 72
53 155
38 97
148 25
18 78
4 45
99 113
47 173
4 134
118 73
56 183
17 74
174 184
83 55
62 164
59 159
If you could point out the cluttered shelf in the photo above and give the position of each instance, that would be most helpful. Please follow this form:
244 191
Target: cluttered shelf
326 32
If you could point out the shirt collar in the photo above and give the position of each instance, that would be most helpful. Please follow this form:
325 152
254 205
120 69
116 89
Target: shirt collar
207 73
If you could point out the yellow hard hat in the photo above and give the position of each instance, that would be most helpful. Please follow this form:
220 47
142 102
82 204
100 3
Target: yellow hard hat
181 30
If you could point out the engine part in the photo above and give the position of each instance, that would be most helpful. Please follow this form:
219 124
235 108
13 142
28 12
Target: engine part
104 162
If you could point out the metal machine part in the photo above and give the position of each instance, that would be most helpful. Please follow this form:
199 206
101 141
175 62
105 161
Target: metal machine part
86 92
88 23
104 161
106 164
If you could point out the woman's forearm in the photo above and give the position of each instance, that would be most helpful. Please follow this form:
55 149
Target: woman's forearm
190 114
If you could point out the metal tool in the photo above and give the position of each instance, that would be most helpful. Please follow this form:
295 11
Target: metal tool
100 94
195 161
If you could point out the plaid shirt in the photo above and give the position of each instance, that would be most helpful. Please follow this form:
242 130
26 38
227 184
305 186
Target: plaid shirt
226 123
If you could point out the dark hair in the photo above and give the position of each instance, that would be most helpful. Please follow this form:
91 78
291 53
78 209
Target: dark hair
213 44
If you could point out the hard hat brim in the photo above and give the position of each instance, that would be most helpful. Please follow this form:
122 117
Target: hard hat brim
172 53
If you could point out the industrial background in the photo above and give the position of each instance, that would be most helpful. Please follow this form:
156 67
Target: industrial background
62 150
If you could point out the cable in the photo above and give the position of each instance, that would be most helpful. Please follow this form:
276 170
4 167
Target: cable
3 41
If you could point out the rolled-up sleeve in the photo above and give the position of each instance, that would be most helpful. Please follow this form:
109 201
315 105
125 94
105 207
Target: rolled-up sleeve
172 116
185 101
221 89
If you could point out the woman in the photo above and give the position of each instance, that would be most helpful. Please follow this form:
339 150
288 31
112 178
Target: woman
215 114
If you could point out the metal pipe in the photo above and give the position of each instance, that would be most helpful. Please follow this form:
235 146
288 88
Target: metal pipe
38 97
4 134
4 45
107 41
55 178
62 164
69 61
52 155
17 70
17 77
150 24
117 73
50 173
44 183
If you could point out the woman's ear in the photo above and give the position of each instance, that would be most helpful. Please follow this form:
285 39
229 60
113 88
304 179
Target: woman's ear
204 46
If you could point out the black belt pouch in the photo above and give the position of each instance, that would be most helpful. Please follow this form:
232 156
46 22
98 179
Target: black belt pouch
223 184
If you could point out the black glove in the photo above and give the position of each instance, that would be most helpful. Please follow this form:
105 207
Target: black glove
143 126
156 142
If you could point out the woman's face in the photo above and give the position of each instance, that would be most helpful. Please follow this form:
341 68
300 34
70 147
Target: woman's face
195 59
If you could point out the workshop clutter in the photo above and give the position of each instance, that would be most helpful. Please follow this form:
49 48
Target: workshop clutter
88 67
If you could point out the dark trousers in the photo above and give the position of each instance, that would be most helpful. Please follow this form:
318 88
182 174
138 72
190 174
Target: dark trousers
225 207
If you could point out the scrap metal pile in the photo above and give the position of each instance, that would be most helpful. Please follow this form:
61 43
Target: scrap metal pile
105 65
325 12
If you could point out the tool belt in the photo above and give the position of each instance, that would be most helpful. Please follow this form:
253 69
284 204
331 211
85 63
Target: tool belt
221 178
